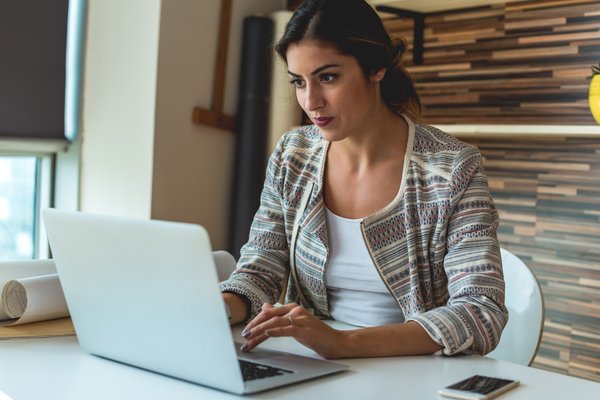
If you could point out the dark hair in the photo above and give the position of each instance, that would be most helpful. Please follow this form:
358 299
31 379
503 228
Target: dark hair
354 28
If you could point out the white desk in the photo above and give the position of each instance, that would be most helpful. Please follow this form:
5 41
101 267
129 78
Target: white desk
57 368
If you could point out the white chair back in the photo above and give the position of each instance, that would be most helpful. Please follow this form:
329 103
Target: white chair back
225 264
525 303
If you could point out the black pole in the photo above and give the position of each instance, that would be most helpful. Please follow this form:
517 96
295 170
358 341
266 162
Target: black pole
418 28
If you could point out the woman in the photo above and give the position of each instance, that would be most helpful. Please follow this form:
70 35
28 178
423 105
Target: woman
373 220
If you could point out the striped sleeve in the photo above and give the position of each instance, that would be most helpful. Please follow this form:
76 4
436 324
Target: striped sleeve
263 264
475 315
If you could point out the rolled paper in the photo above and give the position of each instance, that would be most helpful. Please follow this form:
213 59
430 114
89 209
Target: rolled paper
36 298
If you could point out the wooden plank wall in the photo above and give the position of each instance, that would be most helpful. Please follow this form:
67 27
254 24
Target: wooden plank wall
548 196
519 63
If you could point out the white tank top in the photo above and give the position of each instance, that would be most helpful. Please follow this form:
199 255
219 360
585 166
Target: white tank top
356 292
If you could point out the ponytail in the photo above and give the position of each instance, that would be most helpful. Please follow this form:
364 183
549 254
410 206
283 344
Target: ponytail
397 87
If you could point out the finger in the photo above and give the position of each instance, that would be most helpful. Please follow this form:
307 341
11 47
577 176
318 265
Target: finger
261 317
252 343
278 331
274 317
268 312
289 330
277 326
274 322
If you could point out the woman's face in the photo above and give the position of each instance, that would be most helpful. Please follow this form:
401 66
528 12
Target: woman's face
332 89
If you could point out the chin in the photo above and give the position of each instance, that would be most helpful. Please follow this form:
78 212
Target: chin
335 135
330 135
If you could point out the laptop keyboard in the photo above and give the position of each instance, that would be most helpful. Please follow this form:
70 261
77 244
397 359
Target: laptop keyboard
252 370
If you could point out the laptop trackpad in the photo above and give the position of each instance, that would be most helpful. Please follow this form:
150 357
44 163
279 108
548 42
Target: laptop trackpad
259 354
271 357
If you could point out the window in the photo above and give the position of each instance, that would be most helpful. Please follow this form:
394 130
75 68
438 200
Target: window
40 80
24 190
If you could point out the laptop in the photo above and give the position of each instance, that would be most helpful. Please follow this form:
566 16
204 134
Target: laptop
146 293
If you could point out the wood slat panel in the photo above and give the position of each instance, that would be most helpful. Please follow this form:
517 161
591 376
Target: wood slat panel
528 5
547 192
508 63
563 9
535 23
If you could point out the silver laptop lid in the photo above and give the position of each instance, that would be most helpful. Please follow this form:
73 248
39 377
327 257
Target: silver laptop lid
145 293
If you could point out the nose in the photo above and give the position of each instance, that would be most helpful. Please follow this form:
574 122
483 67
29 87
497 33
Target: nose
313 98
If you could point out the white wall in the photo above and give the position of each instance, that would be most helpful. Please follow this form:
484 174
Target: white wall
192 168
118 106
148 63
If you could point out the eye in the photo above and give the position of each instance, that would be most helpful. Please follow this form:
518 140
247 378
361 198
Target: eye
299 83
328 77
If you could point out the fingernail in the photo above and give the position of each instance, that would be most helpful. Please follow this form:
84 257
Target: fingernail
245 333
244 347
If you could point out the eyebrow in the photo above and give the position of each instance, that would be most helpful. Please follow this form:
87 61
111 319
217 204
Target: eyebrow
316 71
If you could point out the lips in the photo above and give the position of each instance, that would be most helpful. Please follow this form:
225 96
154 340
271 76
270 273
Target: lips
322 121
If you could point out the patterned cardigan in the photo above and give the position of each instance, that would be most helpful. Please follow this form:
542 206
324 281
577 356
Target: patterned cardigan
434 245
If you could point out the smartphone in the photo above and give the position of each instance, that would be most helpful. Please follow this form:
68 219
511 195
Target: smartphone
478 387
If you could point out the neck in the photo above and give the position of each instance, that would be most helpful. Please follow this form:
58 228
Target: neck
382 138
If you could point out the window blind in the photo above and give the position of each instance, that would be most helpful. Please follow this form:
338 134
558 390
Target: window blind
33 67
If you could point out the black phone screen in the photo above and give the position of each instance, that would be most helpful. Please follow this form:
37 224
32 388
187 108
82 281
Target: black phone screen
480 384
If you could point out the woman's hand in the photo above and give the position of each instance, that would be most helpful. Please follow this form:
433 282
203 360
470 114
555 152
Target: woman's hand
294 321
238 307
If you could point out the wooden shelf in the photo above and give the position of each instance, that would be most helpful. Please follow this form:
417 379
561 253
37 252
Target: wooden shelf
484 131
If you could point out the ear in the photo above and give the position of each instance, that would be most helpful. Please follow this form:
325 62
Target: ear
378 75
